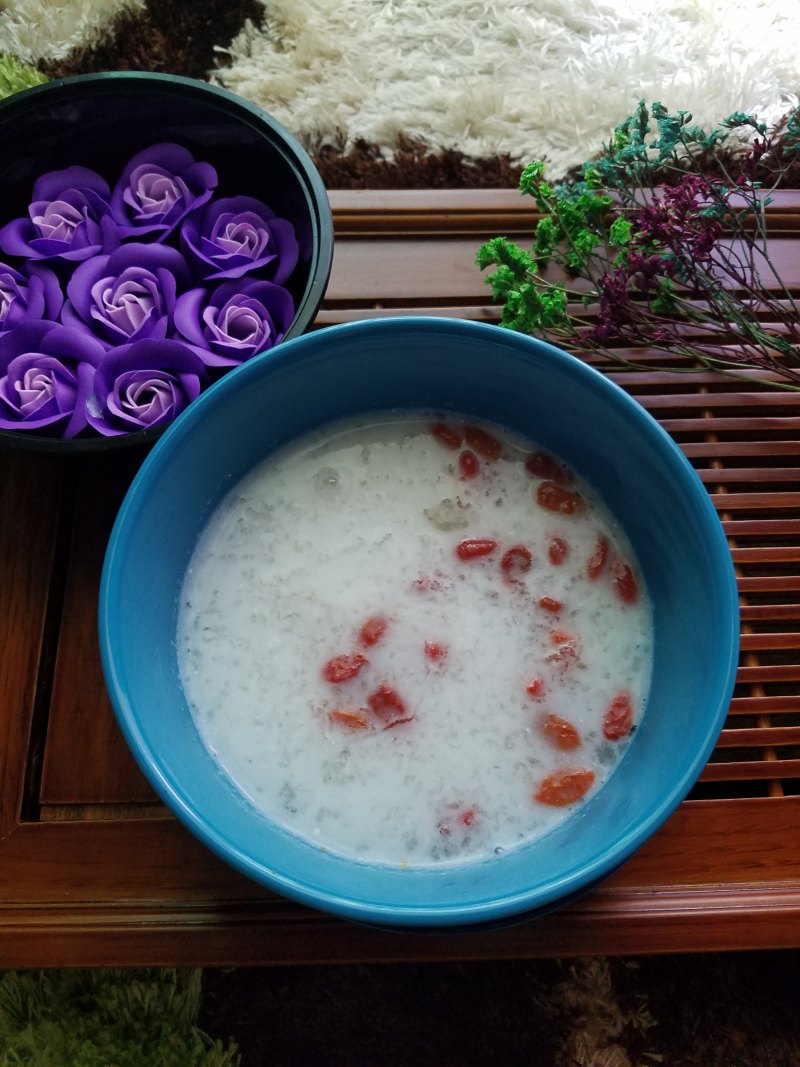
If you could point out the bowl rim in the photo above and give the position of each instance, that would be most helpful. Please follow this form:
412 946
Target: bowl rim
480 913
237 106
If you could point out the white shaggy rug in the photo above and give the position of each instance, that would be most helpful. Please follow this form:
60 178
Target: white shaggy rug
528 78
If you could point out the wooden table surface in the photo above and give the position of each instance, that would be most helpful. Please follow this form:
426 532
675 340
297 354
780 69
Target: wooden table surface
95 871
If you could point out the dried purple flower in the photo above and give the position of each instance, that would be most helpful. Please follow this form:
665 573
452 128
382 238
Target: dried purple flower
69 218
238 235
158 188
235 321
27 295
46 375
143 385
128 295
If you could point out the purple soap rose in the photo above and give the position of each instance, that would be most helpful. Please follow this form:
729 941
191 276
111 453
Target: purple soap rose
69 218
238 235
144 384
235 321
27 295
159 186
128 295
46 375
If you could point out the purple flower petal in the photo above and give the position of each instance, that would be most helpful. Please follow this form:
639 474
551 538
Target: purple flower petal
27 295
235 321
67 219
46 374
238 235
128 295
158 188
147 383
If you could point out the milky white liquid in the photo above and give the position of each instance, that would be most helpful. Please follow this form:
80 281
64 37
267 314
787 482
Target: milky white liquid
362 520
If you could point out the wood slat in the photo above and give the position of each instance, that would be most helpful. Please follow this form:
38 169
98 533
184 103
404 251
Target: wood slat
750 770
86 758
30 485
768 736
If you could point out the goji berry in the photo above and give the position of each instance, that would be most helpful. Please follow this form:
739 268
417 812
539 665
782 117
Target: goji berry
475 548
447 436
543 465
624 580
597 560
483 443
343 668
561 733
516 561
565 647
535 688
564 786
550 604
348 720
469 465
557 550
387 704
556 498
618 718
436 651
373 630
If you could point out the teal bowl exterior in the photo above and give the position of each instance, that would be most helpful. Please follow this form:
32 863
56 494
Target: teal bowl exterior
483 372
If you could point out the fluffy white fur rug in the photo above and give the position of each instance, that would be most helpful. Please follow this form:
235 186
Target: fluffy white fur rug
49 29
531 78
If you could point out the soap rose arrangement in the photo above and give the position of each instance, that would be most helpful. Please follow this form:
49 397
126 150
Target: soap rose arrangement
118 305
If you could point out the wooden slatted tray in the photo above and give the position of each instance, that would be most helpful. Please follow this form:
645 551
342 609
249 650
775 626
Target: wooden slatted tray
93 870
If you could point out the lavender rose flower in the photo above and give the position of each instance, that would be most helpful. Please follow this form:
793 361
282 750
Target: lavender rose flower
46 375
233 323
128 295
238 235
144 384
70 218
158 188
28 294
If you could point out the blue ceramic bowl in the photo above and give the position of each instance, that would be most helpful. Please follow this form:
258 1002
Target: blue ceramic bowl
481 371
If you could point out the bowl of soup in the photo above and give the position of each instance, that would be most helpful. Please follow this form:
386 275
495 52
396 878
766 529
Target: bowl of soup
439 625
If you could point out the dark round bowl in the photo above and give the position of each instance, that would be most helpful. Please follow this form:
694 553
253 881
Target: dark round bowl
101 120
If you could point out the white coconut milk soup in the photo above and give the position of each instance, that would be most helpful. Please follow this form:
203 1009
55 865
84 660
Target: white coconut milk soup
412 640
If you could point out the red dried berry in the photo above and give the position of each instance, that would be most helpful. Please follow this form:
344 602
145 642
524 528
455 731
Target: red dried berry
597 560
549 603
435 651
483 443
447 436
343 668
468 465
624 580
618 718
373 630
560 733
557 550
475 548
556 498
348 720
516 561
543 465
387 704
535 688
564 787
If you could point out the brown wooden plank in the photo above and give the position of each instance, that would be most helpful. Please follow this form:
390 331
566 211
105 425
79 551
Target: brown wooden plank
159 898
30 496
86 759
